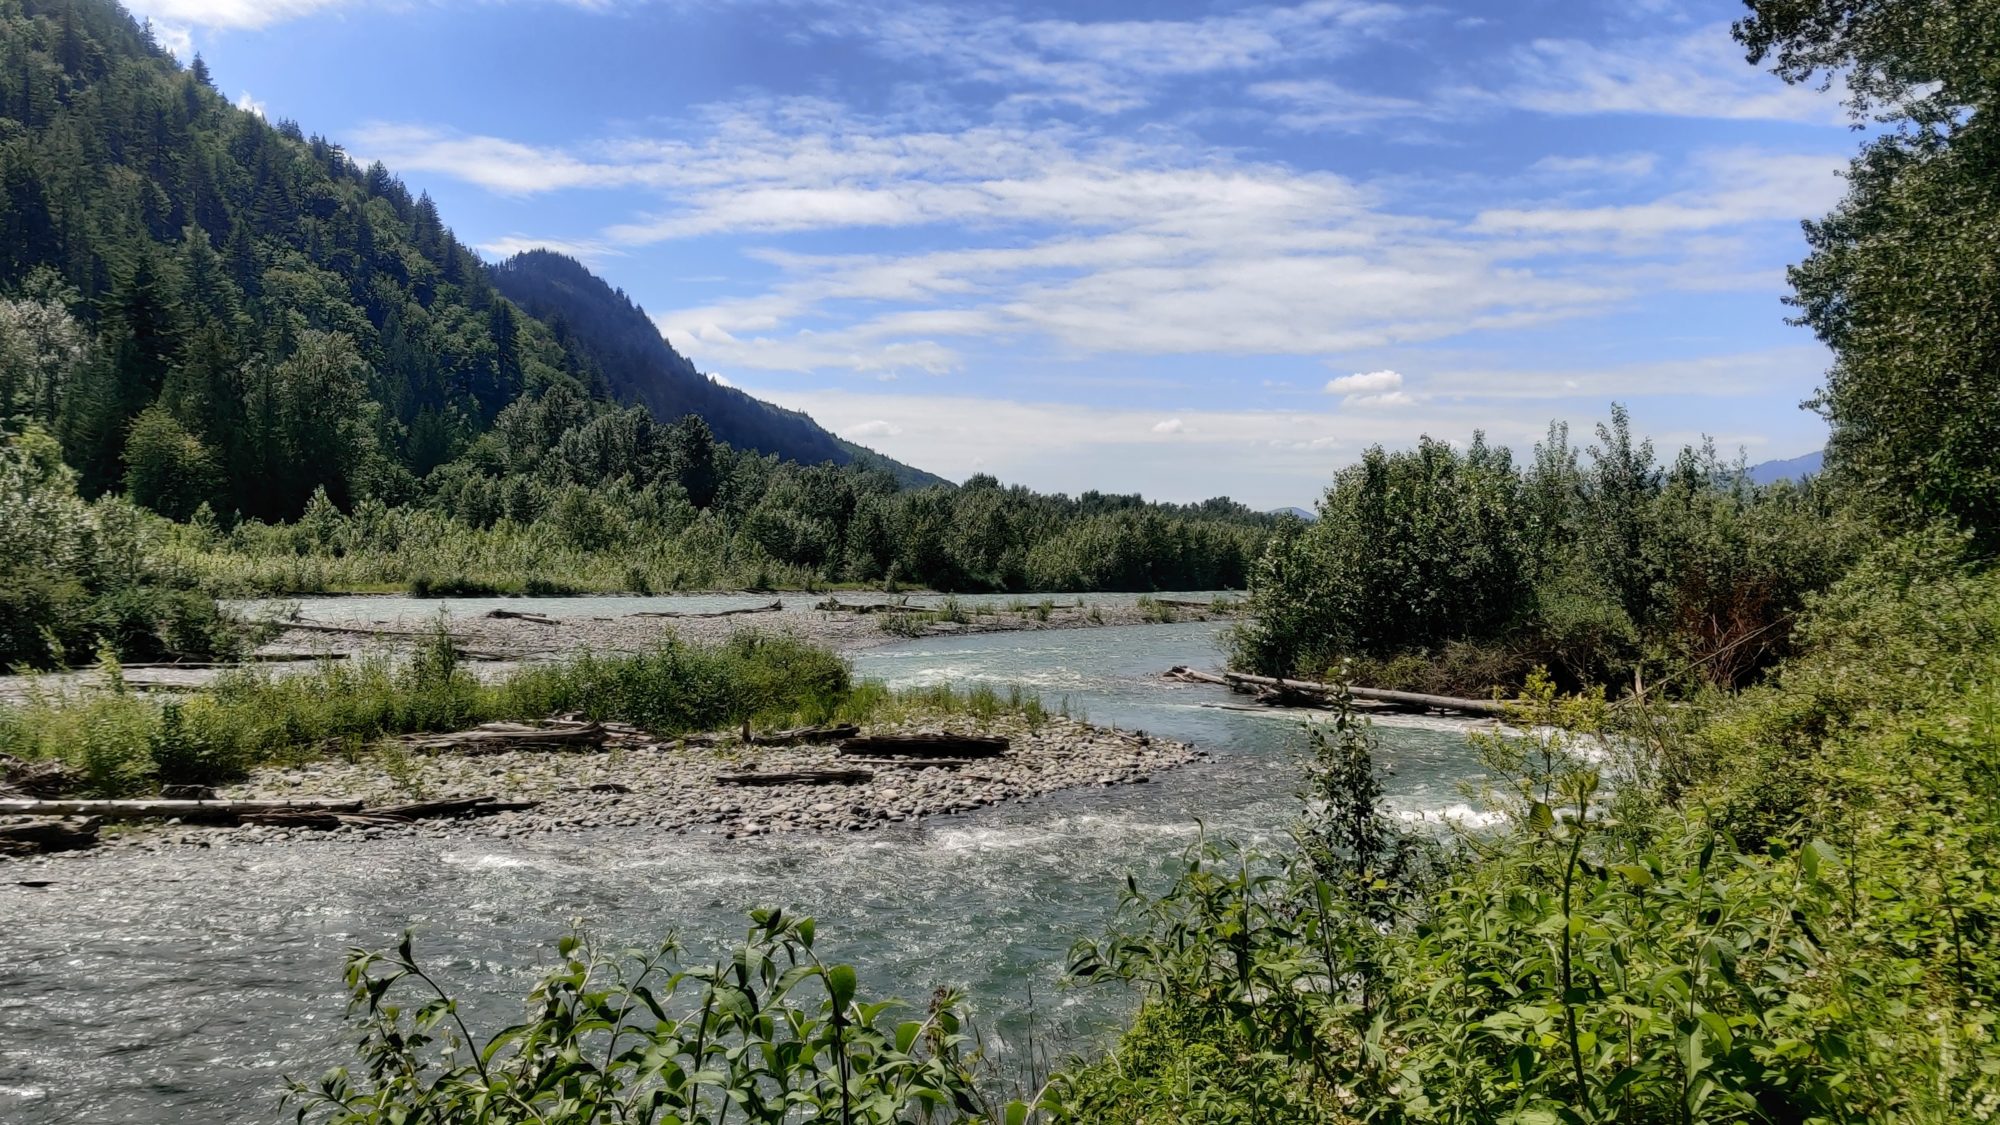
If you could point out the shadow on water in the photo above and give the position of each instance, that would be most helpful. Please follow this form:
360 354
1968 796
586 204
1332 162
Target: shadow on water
177 987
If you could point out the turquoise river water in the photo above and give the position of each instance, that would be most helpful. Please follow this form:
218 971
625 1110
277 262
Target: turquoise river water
180 987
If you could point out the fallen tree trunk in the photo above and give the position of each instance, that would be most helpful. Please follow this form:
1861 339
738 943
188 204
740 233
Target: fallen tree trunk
797 777
772 608
800 735
162 809
450 806
835 605
925 746
1243 681
914 763
500 738
364 630
28 837
517 615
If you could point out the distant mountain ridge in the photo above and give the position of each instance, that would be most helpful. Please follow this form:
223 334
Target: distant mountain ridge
640 366
1805 465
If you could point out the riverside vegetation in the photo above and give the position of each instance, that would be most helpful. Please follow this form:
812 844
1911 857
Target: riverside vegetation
1759 885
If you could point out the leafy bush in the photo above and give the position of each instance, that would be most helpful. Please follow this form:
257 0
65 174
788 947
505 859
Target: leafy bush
75 577
771 1032
1600 572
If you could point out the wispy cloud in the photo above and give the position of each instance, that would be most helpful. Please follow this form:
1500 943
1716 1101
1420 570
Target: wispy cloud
1697 74
1104 65
230 13
1737 186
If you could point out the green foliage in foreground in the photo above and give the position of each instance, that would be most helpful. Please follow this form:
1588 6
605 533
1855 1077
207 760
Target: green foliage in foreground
1783 907
772 1033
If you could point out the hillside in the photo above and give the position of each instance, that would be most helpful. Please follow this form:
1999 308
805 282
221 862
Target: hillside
640 366
208 308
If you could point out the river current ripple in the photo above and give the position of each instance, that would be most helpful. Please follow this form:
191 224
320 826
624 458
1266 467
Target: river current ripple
166 988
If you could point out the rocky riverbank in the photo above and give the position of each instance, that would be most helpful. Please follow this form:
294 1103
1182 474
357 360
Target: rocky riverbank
677 787
845 623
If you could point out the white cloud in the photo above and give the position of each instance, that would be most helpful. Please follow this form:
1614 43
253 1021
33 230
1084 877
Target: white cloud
1391 398
1737 186
228 13
178 39
1107 65
1372 382
251 105
1265 457
1170 426
502 166
1317 105
1631 165
582 249
1699 74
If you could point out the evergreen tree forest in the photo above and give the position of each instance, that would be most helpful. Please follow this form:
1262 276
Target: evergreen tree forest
231 325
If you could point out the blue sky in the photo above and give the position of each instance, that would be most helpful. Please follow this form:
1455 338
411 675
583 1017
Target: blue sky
1182 248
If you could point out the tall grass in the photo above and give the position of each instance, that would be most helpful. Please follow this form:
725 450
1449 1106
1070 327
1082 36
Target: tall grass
124 742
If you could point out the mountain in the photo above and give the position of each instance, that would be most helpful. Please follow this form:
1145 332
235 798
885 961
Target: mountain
1771 472
216 309
1295 510
638 365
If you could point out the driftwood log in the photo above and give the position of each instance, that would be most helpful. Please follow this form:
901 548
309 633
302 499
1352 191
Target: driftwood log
772 608
162 809
47 834
925 746
797 777
835 605
1280 689
450 806
914 763
500 738
364 630
517 615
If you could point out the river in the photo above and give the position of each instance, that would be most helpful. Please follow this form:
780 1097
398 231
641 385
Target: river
177 987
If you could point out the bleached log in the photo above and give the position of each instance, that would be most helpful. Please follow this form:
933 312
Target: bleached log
926 745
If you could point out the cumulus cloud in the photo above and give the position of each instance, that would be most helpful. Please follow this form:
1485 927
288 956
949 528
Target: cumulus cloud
1372 382
251 105
1170 426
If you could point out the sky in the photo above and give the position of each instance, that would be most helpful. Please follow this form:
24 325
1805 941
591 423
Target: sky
1182 248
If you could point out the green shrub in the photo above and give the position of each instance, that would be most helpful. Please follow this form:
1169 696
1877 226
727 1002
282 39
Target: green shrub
771 1032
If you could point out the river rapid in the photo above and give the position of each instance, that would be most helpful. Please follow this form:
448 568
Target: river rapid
180 986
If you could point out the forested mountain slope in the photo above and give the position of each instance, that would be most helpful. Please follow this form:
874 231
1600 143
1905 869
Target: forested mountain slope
639 365
264 317
229 323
